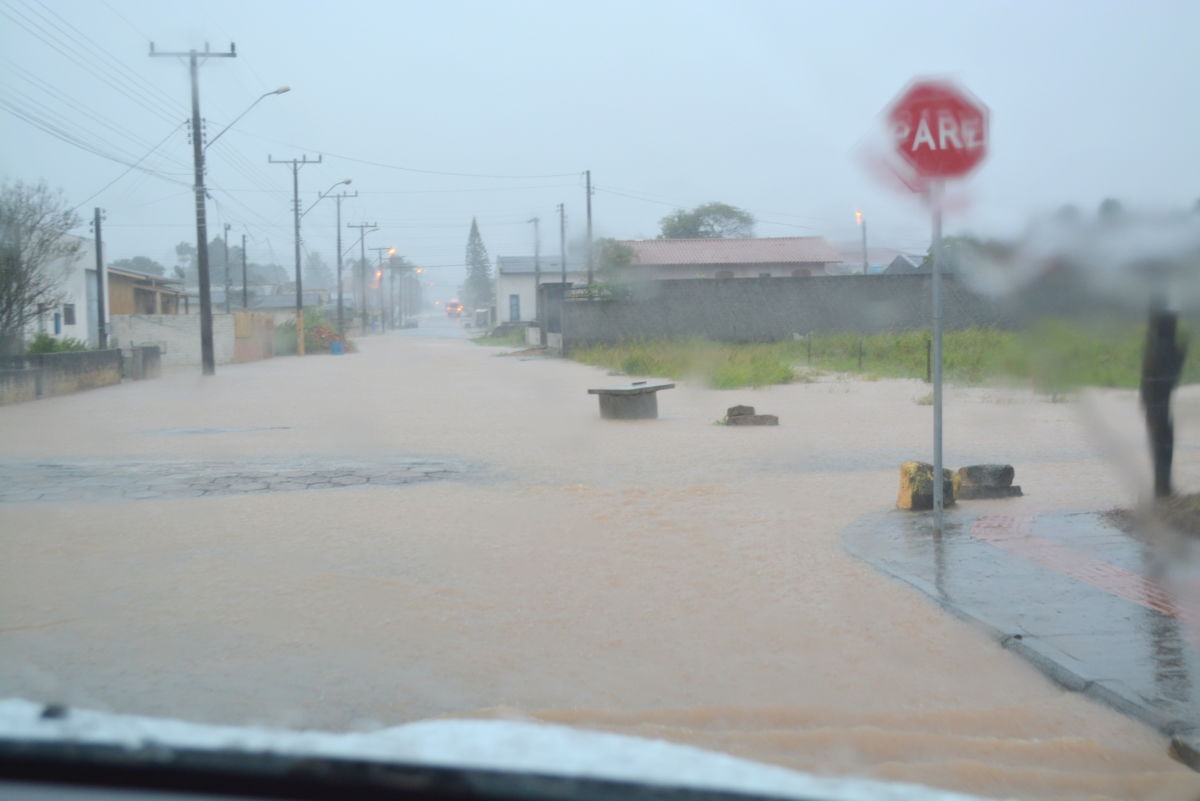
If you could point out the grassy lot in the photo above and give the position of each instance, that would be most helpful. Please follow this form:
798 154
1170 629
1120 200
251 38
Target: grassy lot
512 338
1054 356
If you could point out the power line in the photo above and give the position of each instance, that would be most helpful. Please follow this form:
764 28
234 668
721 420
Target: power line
133 166
65 123
135 28
136 78
370 163
54 42
66 136
76 107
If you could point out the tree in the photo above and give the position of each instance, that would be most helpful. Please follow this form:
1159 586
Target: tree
266 273
956 250
708 221
317 274
610 256
1111 210
35 248
478 290
186 269
139 264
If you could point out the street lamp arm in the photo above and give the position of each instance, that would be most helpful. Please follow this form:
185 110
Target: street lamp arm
324 195
356 241
278 91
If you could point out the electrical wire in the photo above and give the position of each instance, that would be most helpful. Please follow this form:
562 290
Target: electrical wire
54 42
55 131
136 79
131 167
386 166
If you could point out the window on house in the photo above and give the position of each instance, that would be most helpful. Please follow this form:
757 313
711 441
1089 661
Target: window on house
764 275
725 274
68 314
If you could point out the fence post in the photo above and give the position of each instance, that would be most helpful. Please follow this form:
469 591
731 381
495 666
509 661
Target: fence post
860 355
928 361
809 338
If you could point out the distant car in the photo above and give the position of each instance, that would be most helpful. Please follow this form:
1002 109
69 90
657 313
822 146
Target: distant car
454 308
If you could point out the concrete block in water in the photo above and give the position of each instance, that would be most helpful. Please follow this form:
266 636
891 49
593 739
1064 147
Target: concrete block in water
753 420
916 486
987 475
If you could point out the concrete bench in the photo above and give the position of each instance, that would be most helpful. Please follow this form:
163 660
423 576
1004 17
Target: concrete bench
636 401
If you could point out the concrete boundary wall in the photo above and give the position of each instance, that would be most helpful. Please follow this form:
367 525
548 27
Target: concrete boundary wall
773 309
176 335
49 374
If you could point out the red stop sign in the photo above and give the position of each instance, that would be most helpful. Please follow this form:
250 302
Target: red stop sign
940 129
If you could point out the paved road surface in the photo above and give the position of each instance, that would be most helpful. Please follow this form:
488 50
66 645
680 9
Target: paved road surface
524 558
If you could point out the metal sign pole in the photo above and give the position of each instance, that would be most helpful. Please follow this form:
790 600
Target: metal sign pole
935 196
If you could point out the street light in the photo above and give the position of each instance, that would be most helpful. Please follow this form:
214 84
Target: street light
321 196
338 197
281 90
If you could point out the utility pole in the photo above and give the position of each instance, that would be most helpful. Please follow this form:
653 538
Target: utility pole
296 165
562 243
338 197
101 330
245 292
537 269
207 363
588 173
379 257
864 244
362 270
228 277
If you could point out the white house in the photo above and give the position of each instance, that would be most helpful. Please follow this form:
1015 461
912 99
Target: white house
516 297
75 313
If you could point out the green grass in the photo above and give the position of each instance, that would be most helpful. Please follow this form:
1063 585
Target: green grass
512 338
1054 356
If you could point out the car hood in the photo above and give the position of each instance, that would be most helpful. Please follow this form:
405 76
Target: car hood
493 745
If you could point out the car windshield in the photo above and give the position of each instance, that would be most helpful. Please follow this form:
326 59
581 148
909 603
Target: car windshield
470 374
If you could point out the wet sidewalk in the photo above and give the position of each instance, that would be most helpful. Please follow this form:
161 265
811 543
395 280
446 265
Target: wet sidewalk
1072 593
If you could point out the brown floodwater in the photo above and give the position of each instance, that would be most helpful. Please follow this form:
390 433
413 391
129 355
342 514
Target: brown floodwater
672 578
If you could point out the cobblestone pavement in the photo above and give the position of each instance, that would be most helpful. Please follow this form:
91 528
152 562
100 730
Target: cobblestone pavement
46 481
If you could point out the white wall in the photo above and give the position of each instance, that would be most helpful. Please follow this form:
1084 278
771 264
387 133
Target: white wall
178 335
521 284
73 276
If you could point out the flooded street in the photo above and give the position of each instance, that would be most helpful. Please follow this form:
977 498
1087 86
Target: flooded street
217 550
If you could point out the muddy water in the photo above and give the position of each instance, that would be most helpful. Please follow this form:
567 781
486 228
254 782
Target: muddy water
671 579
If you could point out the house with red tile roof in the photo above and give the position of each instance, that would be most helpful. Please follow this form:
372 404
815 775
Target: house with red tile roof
766 257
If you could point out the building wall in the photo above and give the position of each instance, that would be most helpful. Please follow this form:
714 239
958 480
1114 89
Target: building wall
129 296
178 335
521 284
73 277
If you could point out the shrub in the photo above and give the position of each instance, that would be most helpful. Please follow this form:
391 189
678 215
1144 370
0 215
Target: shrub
44 343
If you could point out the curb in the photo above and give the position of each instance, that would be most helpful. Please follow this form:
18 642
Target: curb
1184 735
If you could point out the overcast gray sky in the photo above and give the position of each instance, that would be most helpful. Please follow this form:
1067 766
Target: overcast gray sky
440 111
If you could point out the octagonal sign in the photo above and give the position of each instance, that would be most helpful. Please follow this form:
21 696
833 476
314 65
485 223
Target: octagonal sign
939 128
